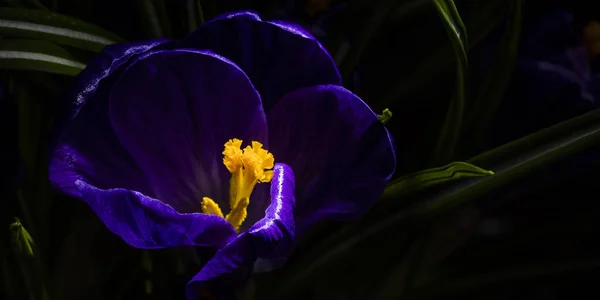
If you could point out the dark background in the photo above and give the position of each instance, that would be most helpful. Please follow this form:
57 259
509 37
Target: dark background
535 238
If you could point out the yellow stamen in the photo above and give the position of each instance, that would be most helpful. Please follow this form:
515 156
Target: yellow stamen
247 167
233 155
211 207
238 214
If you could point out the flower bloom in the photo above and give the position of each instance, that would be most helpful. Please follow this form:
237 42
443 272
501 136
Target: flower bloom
237 138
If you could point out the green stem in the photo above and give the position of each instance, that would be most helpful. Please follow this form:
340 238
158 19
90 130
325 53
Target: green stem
450 132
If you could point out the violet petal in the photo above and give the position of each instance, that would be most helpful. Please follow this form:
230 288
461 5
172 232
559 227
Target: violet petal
270 237
87 148
147 223
173 110
277 57
340 152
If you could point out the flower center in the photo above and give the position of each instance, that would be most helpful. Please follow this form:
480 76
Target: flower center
247 167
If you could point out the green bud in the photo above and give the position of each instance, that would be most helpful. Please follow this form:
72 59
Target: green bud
21 240
29 262
385 116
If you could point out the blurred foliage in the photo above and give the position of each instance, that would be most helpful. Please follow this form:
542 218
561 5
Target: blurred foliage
492 222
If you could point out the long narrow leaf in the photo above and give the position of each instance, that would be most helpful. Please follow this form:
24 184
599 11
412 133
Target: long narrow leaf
481 25
494 86
569 138
515 167
55 28
426 178
497 156
37 56
154 18
28 259
451 128
461 29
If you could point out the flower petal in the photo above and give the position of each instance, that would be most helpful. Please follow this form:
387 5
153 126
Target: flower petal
173 110
270 237
340 152
277 57
87 149
148 223
105 64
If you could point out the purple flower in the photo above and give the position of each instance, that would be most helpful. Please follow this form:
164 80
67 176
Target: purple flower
155 143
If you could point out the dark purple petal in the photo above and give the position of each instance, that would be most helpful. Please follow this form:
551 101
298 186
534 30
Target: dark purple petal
147 223
173 110
340 152
104 65
278 57
88 149
272 236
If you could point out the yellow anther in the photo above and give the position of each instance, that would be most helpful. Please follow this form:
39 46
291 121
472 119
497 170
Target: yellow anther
247 167
256 159
211 207
232 155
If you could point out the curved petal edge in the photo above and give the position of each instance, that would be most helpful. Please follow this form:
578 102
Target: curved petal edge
147 223
270 237
277 56
341 153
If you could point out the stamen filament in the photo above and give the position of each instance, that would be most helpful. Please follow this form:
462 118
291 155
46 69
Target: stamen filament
238 214
247 167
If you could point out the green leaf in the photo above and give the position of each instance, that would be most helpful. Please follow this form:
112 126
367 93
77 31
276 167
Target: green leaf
553 139
489 14
55 28
28 260
427 178
509 162
155 21
37 56
497 79
456 30
193 14
200 13
22 240
521 157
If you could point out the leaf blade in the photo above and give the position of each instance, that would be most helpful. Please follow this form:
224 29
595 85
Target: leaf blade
59 29
448 138
433 176
38 56
507 170
498 77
